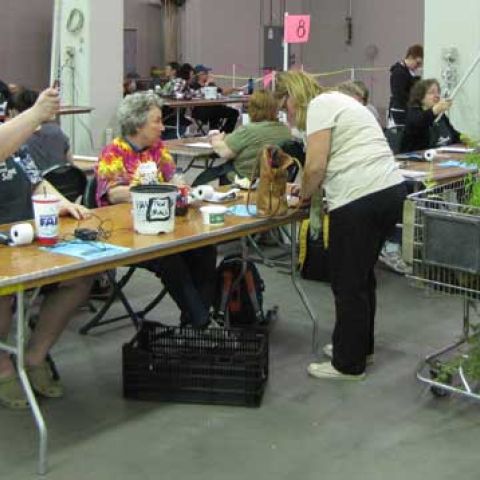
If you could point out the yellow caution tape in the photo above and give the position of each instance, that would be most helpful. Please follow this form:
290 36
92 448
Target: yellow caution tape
303 240
325 230
320 74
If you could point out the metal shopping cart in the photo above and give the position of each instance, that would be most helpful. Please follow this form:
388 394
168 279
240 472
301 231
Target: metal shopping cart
441 241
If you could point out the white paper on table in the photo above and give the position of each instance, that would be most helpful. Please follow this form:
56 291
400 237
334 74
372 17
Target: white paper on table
412 173
199 145
455 150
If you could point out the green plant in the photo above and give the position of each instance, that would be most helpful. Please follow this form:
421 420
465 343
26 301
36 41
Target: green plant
469 361
472 158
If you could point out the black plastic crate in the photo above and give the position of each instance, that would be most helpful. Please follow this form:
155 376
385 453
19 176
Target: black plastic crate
215 366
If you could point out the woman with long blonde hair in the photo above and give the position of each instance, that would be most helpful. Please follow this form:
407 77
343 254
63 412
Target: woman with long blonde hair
348 156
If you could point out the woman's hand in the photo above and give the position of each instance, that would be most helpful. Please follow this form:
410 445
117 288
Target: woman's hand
47 105
74 210
441 106
216 137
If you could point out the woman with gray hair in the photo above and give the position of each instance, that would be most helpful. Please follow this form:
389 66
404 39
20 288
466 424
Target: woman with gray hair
120 163
189 276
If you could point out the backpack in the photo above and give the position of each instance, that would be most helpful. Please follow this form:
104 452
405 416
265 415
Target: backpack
238 299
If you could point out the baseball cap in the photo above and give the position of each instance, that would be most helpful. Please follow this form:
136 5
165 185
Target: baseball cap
201 68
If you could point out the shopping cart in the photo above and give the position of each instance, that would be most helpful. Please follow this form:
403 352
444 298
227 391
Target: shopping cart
441 241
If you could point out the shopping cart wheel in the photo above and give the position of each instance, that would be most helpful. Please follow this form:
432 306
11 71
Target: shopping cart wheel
438 391
271 315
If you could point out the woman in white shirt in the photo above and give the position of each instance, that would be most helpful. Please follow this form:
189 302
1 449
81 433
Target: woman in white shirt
348 156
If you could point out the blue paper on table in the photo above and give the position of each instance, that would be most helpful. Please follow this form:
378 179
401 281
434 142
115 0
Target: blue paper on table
242 211
456 163
86 250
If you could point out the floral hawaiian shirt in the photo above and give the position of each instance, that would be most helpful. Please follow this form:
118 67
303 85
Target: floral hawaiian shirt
121 163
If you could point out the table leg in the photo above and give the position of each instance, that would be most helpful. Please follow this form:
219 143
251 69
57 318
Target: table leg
178 123
301 292
37 414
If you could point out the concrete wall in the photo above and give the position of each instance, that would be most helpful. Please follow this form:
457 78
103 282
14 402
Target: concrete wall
390 26
445 28
222 32
147 19
25 31
25 36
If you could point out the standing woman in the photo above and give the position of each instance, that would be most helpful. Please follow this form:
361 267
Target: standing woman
403 76
348 156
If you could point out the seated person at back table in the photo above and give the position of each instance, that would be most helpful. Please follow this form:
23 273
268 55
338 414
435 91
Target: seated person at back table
421 129
171 72
178 87
241 147
48 145
219 117
189 276
130 83
359 91
19 180
4 97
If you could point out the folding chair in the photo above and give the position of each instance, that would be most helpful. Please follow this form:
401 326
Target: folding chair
69 180
117 285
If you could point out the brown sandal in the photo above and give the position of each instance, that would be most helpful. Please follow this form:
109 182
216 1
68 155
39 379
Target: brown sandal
11 393
43 382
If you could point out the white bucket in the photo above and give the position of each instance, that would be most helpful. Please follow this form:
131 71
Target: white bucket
210 93
154 208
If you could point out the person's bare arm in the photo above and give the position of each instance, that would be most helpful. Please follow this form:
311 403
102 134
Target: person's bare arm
119 194
318 151
69 157
16 131
220 147
75 210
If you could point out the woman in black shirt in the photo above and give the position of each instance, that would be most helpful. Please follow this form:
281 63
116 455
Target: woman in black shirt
421 129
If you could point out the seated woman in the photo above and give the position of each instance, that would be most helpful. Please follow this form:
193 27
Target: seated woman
48 145
190 276
421 129
240 148
19 180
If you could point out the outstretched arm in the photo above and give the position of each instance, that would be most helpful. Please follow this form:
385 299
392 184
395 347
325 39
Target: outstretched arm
16 131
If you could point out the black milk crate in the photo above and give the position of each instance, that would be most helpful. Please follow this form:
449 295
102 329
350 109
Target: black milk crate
214 366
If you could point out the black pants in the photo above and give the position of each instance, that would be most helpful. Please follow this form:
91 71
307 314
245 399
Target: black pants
189 278
219 117
357 233
212 173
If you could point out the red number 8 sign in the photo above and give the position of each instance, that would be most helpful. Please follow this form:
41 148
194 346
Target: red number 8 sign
297 28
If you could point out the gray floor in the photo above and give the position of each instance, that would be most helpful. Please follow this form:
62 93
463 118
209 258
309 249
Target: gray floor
387 427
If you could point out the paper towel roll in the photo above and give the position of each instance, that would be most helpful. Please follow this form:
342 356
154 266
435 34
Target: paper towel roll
21 234
429 155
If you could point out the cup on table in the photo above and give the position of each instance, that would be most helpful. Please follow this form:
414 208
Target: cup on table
213 215
46 212
210 93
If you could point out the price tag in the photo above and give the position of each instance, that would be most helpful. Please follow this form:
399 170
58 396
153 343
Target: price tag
296 29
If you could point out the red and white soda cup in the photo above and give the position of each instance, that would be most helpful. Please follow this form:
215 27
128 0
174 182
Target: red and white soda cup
46 212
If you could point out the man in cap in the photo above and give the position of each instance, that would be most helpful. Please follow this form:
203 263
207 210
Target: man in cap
218 117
